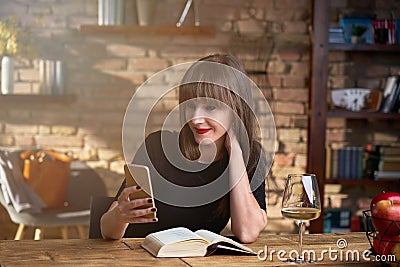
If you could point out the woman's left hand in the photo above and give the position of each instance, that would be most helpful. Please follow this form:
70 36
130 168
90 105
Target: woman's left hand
231 142
247 219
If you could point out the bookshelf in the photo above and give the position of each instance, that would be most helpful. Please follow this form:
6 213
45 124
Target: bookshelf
318 112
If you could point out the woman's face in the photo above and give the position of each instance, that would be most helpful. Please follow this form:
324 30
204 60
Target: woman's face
208 120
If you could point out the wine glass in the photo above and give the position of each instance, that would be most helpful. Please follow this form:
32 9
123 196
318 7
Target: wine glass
301 202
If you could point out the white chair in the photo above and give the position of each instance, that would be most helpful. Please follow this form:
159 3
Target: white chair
83 184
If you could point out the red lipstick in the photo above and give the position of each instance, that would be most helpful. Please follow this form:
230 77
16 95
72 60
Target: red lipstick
203 131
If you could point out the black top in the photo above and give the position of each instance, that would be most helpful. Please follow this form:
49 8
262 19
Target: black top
206 216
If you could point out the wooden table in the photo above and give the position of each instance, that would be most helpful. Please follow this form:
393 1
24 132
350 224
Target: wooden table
127 252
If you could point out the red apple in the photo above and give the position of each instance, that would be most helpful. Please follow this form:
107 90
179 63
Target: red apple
385 211
387 246
385 196
384 245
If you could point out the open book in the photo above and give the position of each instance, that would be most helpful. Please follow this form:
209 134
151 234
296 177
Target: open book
181 242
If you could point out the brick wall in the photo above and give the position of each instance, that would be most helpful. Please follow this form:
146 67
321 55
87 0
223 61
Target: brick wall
103 72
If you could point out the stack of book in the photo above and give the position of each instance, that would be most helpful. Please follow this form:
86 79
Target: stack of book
391 95
345 162
384 31
389 163
373 162
336 35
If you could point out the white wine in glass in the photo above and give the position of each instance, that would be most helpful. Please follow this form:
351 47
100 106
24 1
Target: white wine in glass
301 201
301 213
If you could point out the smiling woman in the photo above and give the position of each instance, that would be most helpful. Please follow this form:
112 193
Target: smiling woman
220 88
208 121
201 175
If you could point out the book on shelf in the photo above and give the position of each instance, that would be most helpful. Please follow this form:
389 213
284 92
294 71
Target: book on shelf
390 165
385 175
342 163
396 99
384 31
182 242
391 95
331 165
328 160
391 150
397 31
336 34
389 159
345 162
334 163
354 163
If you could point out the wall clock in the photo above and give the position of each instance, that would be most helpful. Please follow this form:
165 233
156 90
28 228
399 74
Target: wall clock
356 99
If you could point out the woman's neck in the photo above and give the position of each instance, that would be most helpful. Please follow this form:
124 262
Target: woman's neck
211 151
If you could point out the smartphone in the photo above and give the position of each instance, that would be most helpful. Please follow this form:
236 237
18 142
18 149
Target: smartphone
140 175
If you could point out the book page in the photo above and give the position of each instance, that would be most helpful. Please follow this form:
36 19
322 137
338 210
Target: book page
176 235
232 248
216 238
210 236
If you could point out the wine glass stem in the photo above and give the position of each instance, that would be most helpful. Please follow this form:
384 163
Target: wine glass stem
301 225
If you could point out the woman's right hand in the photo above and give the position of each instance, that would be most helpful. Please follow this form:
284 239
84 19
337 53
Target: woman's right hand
133 210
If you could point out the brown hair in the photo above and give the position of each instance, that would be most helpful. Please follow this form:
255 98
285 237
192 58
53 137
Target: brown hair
238 97
232 87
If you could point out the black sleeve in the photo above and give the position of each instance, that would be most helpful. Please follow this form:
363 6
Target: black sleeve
259 173
259 195
120 190
146 150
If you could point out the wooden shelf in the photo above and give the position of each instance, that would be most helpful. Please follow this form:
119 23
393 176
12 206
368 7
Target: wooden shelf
338 113
318 101
364 47
148 30
359 182
36 99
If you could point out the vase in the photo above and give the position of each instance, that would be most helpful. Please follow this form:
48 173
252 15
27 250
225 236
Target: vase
51 77
111 12
7 75
357 40
146 10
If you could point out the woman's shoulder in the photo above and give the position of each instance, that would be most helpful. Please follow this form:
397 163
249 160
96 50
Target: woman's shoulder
159 136
154 144
162 133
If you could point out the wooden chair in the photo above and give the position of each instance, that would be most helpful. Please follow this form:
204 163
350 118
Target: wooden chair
99 205
83 184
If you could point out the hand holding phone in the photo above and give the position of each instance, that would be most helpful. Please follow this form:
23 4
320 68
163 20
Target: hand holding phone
139 175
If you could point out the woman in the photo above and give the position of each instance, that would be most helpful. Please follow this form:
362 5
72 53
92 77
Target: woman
218 142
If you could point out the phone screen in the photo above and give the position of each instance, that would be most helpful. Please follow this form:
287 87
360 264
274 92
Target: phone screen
140 175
